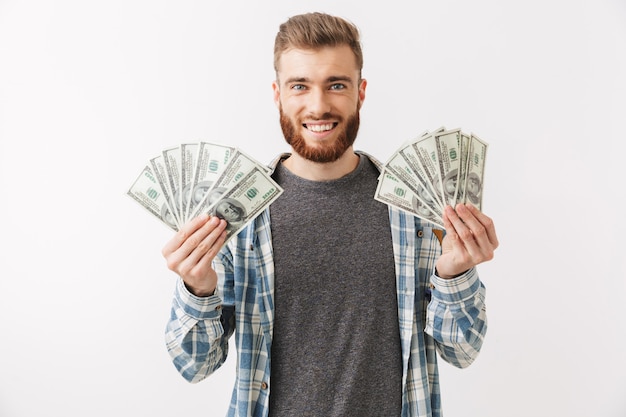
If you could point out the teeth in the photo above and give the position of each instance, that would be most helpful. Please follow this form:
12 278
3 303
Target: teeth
320 128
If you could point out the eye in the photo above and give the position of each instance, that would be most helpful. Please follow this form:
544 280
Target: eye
337 86
298 87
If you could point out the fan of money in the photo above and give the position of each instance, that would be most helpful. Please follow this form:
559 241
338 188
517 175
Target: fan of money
193 178
439 168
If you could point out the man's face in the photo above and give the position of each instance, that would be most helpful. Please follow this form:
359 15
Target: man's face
319 94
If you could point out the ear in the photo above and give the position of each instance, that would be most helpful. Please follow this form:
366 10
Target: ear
276 90
362 87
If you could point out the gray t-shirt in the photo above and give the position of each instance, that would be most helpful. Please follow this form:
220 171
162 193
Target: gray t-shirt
336 345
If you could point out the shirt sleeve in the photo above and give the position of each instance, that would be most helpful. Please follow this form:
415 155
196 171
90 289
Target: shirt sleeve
195 335
456 317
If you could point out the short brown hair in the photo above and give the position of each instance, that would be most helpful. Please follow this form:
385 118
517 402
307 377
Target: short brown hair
317 30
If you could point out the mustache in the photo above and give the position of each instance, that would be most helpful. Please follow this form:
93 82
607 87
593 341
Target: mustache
324 116
327 153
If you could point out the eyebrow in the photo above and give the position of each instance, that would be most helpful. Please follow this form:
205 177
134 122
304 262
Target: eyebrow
330 79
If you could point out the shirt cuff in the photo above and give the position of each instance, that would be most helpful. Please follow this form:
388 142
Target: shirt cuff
200 308
457 289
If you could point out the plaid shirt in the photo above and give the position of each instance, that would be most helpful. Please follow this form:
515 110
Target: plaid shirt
436 315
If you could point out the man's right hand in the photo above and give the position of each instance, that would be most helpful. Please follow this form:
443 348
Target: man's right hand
191 251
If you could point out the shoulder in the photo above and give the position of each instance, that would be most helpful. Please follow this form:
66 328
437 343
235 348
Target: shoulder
372 159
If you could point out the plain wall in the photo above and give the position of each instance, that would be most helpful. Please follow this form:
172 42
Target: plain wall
90 90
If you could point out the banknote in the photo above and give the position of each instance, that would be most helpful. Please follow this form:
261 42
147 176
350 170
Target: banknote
427 156
185 180
477 155
160 172
238 166
460 195
172 161
148 193
394 192
448 158
437 169
244 201
188 156
406 167
211 159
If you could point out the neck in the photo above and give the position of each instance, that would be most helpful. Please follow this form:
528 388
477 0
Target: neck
322 171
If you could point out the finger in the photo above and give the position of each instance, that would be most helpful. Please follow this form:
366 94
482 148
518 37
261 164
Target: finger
207 259
459 226
470 233
480 225
456 231
208 246
477 240
473 224
183 234
448 213
488 224
192 248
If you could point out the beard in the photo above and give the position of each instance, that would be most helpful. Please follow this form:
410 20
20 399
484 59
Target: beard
326 152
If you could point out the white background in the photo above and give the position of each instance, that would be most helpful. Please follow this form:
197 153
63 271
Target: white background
90 90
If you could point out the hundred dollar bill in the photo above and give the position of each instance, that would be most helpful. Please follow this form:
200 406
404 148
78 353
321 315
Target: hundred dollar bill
147 192
405 166
392 191
424 134
475 172
460 195
449 160
238 166
211 160
172 159
443 167
426 152
188 155
160 172
242 203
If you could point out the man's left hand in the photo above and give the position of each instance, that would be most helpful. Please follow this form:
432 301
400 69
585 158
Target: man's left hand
470 239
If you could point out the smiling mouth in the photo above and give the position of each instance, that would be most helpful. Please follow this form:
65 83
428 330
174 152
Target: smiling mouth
319 127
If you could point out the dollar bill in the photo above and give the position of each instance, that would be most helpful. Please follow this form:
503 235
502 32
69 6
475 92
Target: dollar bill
465 141
188 155
160 173
426 152
183 175
449 161
238 166
390 190
438 168
211 159
406 167
148 193
245 200
475 172
172 160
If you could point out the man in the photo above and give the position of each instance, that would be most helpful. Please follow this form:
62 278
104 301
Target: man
339 303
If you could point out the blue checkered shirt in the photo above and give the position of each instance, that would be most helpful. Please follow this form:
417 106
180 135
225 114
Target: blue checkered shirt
444 316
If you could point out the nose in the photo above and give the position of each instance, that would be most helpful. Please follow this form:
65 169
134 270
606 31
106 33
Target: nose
319 102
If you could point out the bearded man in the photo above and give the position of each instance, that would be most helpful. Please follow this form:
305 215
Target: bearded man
340 305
